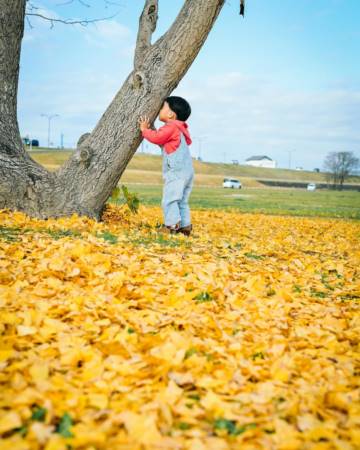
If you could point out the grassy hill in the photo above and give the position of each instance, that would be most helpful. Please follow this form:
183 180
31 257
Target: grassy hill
147 168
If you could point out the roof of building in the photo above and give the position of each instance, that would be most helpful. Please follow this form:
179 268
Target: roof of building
258 158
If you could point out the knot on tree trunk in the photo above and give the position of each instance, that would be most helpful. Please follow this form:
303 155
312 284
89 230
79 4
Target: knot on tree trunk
85 155
152 16
138 80
84 152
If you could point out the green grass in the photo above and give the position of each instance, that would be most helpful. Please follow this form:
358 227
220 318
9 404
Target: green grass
160 240
294 202
52 157
13 234
152 164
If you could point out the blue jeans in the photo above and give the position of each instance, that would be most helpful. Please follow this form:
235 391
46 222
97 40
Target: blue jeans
175 202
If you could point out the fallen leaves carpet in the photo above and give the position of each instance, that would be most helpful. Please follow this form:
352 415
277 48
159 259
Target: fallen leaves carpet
244 336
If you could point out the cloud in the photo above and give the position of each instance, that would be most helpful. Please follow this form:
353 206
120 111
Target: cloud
242 116
111 30
103 33
108 32
234 113
79 97
28 38
78 89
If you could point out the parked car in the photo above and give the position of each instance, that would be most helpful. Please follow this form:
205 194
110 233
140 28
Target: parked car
231 183
31 142
311 187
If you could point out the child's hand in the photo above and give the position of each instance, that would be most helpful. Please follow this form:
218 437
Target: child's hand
144 123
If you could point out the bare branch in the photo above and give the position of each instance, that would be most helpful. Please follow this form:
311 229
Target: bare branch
111 3
87 5
30 6
29 23
147 25
83 22
84 4
68 2
35 11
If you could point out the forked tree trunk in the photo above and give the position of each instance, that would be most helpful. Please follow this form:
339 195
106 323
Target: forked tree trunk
84 183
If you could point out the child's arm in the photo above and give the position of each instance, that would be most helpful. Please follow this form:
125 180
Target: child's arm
159 137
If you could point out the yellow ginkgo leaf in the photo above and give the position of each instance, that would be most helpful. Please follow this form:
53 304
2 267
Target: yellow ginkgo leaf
9 421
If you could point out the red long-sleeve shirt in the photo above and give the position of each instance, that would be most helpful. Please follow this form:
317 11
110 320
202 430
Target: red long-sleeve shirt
169 135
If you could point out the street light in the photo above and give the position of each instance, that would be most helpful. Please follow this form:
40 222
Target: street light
49 117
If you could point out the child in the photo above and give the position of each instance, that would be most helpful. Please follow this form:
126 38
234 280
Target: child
178 172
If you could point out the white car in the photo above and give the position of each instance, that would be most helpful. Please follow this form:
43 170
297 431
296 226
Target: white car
311 187
231 183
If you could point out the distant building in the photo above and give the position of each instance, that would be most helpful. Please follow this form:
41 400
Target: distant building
261 161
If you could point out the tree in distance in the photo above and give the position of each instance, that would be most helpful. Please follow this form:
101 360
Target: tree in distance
339 166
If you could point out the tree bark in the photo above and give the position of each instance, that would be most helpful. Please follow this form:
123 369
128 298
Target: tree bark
11 31
84 183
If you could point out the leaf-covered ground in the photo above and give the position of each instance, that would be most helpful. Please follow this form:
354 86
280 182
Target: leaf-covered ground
113 336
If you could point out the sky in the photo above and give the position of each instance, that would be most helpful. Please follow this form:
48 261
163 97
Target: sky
283 82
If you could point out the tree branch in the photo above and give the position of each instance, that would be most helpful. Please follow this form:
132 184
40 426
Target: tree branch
83 22
147 25
68 2
35 11
87 5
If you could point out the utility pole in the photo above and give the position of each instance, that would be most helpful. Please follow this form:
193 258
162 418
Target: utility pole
200 139
49 117
290 151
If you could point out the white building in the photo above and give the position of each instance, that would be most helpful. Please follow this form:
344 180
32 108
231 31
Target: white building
261 161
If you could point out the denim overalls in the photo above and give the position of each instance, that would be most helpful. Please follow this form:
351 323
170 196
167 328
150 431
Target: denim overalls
178 174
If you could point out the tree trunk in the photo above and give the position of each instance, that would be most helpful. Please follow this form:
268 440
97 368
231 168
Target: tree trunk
84 183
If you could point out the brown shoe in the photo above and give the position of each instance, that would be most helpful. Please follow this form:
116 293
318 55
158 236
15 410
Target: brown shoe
170 229
185 230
